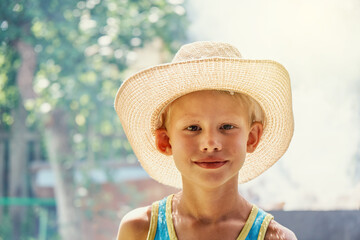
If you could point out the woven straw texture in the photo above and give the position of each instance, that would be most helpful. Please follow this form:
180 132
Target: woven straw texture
205 66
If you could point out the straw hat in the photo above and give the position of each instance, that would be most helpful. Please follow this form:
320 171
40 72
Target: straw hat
205 66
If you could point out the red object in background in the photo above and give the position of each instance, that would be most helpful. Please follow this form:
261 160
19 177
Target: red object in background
104 203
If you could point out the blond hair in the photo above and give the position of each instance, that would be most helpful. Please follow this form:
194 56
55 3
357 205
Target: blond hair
256 114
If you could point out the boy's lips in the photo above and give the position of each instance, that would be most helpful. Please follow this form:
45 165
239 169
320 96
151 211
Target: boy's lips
210 163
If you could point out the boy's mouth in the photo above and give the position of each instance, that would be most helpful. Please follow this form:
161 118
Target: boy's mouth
211 164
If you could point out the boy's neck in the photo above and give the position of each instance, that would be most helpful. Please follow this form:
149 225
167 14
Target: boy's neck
211 205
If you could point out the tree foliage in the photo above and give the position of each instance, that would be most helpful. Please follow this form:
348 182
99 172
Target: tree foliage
83 49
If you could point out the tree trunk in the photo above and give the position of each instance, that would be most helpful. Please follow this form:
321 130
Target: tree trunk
61 159
18 168
18 144
26 72
58 148
2 171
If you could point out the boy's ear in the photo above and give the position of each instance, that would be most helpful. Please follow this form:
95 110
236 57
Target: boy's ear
162 141
256 131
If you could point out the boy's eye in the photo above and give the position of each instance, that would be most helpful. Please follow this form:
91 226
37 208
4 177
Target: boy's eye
227 127
193 128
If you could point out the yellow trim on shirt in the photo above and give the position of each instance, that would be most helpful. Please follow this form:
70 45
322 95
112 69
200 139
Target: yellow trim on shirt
169 219
153 221
264 226
249 222
171 229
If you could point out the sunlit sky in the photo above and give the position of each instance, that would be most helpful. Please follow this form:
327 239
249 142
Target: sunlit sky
318 42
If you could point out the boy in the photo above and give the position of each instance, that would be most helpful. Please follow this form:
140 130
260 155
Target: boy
204 123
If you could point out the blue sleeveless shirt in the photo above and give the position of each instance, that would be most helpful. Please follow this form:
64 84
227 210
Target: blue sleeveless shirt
162 228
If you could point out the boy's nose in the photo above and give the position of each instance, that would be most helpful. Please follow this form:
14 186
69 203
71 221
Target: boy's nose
210 143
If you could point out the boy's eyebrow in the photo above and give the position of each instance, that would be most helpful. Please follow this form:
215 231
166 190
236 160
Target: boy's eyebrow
187 117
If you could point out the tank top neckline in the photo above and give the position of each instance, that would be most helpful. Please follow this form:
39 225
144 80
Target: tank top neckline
242 235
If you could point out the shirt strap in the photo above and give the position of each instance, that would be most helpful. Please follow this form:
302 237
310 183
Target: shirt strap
153 221
169 219
264 226
249 222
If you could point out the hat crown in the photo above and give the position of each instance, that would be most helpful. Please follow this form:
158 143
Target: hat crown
202 50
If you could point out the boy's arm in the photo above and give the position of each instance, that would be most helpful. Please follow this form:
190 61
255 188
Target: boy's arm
135 224
276 231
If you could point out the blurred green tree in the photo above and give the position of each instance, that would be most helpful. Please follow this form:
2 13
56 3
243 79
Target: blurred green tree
61 63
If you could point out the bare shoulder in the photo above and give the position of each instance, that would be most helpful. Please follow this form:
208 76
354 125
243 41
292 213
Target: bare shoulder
135 224
276 231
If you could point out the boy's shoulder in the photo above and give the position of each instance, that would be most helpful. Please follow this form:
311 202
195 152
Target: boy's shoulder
135 224
276 231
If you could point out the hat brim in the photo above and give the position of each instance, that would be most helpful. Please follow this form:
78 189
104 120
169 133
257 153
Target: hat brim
142 97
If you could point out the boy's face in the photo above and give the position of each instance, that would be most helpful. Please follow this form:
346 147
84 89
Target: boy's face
208 133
